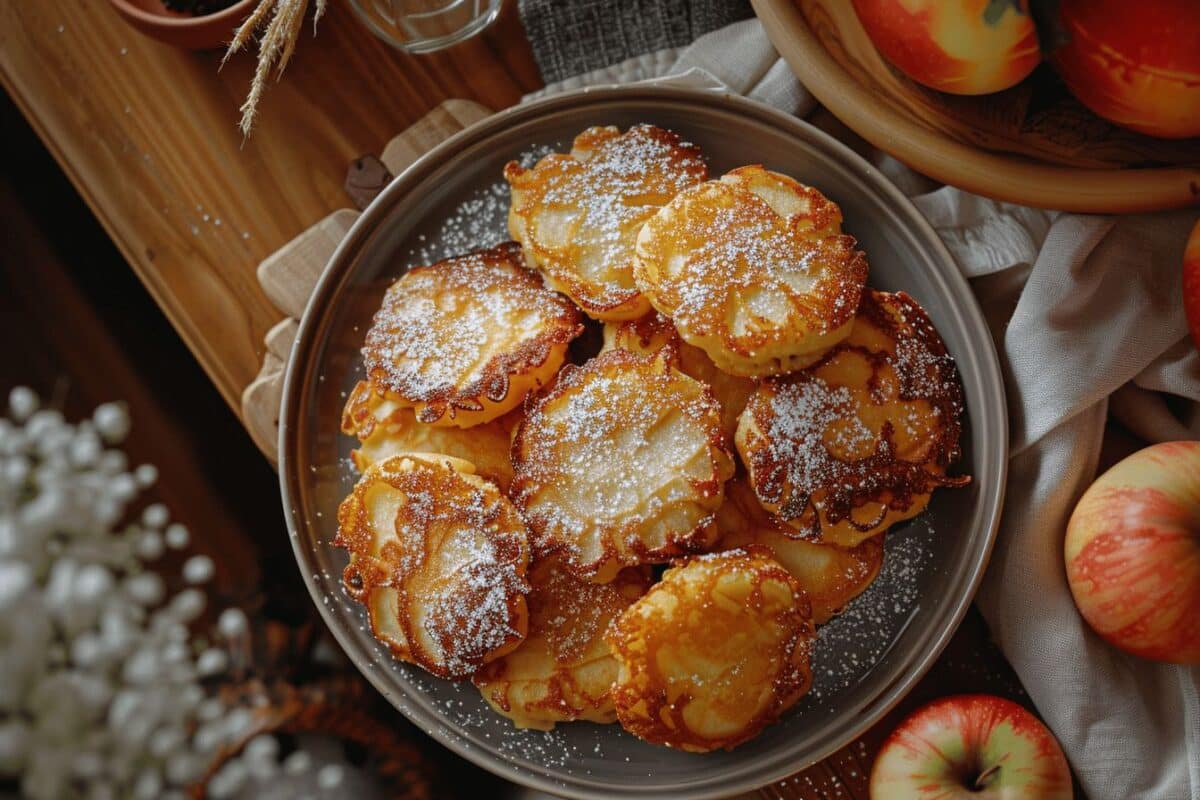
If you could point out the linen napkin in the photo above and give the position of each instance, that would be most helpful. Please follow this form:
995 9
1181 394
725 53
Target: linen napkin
1083 309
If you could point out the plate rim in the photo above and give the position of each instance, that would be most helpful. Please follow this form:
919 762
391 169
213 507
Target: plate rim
980 345
1001 176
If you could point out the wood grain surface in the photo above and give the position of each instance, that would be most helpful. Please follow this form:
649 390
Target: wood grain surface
94 368
147 134
289 275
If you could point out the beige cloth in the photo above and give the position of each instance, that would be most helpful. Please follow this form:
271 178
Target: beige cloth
1080 306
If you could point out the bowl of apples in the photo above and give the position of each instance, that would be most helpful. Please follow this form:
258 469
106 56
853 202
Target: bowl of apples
1077 105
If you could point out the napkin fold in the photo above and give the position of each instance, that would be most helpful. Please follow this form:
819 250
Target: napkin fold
1078 308
1082 308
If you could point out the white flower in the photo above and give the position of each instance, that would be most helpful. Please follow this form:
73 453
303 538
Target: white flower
98 686
25 637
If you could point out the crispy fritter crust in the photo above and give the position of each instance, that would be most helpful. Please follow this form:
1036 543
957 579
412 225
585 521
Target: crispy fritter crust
621 462
464 340
655 333
713 653
753 269
844 449
387 428
578 215
831 575
439 557
563 671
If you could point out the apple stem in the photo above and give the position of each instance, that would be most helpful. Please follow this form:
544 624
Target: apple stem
985 777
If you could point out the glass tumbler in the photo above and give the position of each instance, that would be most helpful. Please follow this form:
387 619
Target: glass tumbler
422 26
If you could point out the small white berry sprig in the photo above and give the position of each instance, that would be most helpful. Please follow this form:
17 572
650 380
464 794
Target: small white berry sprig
102 680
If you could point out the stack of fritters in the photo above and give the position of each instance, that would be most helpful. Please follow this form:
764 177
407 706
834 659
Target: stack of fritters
512 506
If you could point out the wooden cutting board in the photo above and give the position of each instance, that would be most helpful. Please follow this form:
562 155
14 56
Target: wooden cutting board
289 275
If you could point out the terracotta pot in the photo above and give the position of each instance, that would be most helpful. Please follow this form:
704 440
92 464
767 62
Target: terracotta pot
207 32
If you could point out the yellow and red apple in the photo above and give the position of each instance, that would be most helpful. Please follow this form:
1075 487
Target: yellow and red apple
971 747
1133 553
956 46
1191 283
1135 64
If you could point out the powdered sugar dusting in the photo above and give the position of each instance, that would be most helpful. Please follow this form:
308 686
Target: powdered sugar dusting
479 221
411 332
453 333
753 251
578 215
753 259
474 612
850 645
802 414
626 178
876 420
454 549
620 461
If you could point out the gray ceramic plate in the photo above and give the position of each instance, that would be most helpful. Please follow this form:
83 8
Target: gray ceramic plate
865 660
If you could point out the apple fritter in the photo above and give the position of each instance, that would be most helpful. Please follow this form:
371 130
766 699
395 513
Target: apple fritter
439 556
648 335
754 270
578 215
714 652
654 332
831 575
385 428
621 462
563 670
858 441
464 340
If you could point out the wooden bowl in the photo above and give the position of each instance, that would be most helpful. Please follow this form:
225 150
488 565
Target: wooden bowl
1033 144
207 32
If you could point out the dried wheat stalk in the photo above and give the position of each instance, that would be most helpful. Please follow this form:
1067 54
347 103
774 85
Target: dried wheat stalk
275 47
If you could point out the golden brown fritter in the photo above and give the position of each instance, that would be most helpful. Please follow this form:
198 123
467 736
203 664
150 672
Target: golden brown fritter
563 670
439 557
578 215
753 269
387 428
464 340
654 332
832 576
621 462
713 653
858 441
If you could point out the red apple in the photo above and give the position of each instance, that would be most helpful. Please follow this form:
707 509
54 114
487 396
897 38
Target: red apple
1191 283
1135 64
971 747
956 46
1133 553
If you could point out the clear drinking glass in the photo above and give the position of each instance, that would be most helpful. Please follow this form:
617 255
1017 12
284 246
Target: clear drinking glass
422 26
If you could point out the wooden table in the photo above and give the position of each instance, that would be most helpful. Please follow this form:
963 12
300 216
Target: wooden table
148 135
